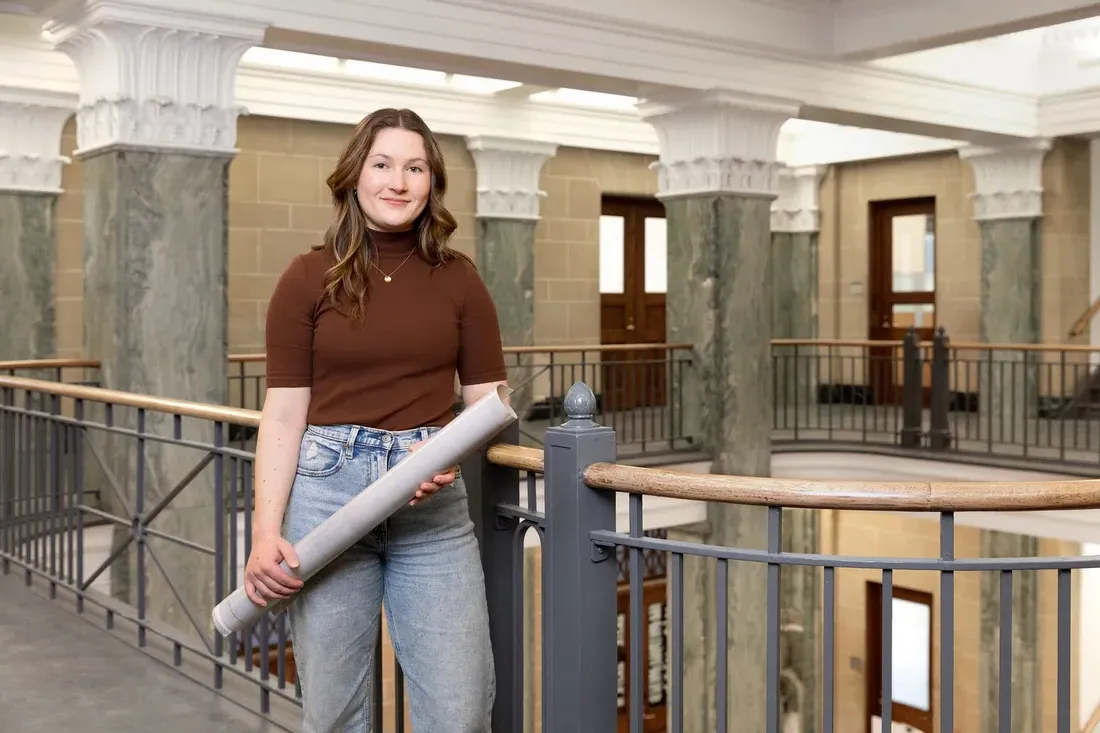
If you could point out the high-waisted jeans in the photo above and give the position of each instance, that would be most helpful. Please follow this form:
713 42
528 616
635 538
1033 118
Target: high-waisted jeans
423 562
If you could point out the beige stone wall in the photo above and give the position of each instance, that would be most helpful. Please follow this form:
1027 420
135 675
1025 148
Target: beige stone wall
848 190
70 253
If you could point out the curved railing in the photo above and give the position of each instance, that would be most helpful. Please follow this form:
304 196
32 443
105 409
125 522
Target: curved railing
177 494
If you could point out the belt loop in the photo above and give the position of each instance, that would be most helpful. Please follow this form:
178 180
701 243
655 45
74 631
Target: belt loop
349 444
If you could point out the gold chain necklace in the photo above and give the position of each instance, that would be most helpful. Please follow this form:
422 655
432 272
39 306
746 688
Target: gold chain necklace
389 277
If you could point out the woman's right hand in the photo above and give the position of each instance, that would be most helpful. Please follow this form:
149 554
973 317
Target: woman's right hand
264 577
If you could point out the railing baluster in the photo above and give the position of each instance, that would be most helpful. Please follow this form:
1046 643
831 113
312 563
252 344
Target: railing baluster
676 642
887 661
1065 648
775 547
947 624
1004 693
828 692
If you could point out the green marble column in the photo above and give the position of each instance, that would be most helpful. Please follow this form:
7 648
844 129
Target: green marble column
155 151
1010 309
1008 205
31 122
27 253
1025 636
718 178
506 261
156 305
508 198
794 285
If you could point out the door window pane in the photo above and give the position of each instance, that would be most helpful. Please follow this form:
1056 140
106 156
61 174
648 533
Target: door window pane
911 665
921 315
656 255
913 253
612 272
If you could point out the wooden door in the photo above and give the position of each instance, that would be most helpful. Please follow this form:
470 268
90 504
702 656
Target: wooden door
633 266
654 652
912 676
902 280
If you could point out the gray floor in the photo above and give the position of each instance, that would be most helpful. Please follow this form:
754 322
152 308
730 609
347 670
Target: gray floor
58 672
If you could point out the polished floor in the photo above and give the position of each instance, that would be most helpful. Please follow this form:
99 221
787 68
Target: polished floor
60 672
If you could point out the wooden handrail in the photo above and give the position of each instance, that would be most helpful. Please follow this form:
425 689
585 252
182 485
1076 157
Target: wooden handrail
1094 720
915 496
973 496
1083 322
49 364
568 349
216 413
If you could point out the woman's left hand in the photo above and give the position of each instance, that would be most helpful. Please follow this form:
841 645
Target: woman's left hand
430 487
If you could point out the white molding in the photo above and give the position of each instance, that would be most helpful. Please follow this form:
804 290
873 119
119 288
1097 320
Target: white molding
1072 113
508 175
31 122
717 142
562 51
154 78
797 208
1008 180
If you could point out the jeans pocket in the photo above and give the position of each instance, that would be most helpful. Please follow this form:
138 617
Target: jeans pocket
318 456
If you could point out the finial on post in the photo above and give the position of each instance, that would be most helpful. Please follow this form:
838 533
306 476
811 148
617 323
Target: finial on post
580 405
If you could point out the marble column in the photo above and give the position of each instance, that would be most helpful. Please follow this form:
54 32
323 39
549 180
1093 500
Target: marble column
1008 206
508 198
717 178
155 151
796 224
1026 683
31 122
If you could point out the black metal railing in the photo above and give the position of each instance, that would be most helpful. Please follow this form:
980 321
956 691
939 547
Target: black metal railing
1009 401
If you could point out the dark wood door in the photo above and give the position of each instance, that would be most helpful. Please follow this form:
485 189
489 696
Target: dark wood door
912 677
633 266
902 284
654 652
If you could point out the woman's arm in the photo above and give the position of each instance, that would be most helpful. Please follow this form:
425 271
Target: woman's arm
282 424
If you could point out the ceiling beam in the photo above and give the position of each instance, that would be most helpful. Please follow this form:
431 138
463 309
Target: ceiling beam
864 30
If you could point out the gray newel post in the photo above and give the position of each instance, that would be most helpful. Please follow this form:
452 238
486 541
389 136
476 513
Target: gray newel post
487 486
579 580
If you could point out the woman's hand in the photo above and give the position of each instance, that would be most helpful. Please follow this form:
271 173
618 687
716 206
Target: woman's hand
430 487
264 577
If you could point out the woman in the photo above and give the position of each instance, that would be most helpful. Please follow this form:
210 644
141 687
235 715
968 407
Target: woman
365 334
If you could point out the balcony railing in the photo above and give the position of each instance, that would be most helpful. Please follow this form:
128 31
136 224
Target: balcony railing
1009 402
178 504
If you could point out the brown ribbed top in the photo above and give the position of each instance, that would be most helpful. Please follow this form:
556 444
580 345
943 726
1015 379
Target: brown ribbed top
396 370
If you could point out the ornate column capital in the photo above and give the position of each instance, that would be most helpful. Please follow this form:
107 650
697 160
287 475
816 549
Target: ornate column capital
154 78
31 122
1008 179
798 207
508 175
716 141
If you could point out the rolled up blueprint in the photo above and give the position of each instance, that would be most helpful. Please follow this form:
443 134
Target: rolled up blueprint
472 428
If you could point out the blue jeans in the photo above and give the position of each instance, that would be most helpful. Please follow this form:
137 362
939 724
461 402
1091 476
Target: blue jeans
423 562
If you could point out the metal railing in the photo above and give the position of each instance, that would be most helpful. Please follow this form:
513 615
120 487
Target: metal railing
182 537
1007 401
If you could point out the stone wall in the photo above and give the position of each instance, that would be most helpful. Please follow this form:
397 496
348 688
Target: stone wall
848 190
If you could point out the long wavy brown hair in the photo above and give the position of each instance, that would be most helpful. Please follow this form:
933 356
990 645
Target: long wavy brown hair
348 239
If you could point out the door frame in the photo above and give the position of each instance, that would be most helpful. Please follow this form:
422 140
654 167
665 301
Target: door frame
884 367
873 646
627 386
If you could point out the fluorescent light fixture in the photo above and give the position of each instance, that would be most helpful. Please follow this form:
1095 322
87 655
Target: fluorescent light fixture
290 59
583 98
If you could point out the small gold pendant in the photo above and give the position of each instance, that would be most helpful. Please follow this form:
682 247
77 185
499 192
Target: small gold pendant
387 278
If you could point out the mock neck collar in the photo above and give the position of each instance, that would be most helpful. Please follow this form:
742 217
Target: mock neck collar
393 242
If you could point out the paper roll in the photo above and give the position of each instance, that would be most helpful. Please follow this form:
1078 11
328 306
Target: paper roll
471 429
